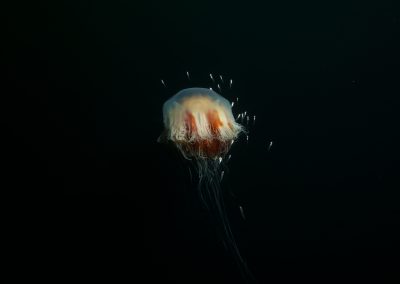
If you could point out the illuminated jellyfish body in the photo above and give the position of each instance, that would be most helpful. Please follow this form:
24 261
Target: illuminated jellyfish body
200 123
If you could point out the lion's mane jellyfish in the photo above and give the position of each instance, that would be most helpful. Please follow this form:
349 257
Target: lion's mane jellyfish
200 123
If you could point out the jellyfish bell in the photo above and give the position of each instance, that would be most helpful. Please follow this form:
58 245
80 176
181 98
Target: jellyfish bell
200 123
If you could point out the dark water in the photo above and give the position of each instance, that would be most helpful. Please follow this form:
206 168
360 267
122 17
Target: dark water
322 78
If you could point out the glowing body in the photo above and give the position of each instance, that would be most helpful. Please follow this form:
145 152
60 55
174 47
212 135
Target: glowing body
201 125
200 122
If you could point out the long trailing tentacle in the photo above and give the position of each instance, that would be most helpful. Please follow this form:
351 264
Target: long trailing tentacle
210 191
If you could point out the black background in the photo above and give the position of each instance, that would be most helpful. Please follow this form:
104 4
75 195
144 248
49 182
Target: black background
82 108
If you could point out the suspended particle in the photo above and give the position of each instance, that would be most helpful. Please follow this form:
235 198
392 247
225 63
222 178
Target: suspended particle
212 78
269 146
242 212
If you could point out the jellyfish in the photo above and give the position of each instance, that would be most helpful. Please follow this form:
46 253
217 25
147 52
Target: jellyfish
200 124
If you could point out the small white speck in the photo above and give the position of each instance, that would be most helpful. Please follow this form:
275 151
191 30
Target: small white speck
270 145
242 212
